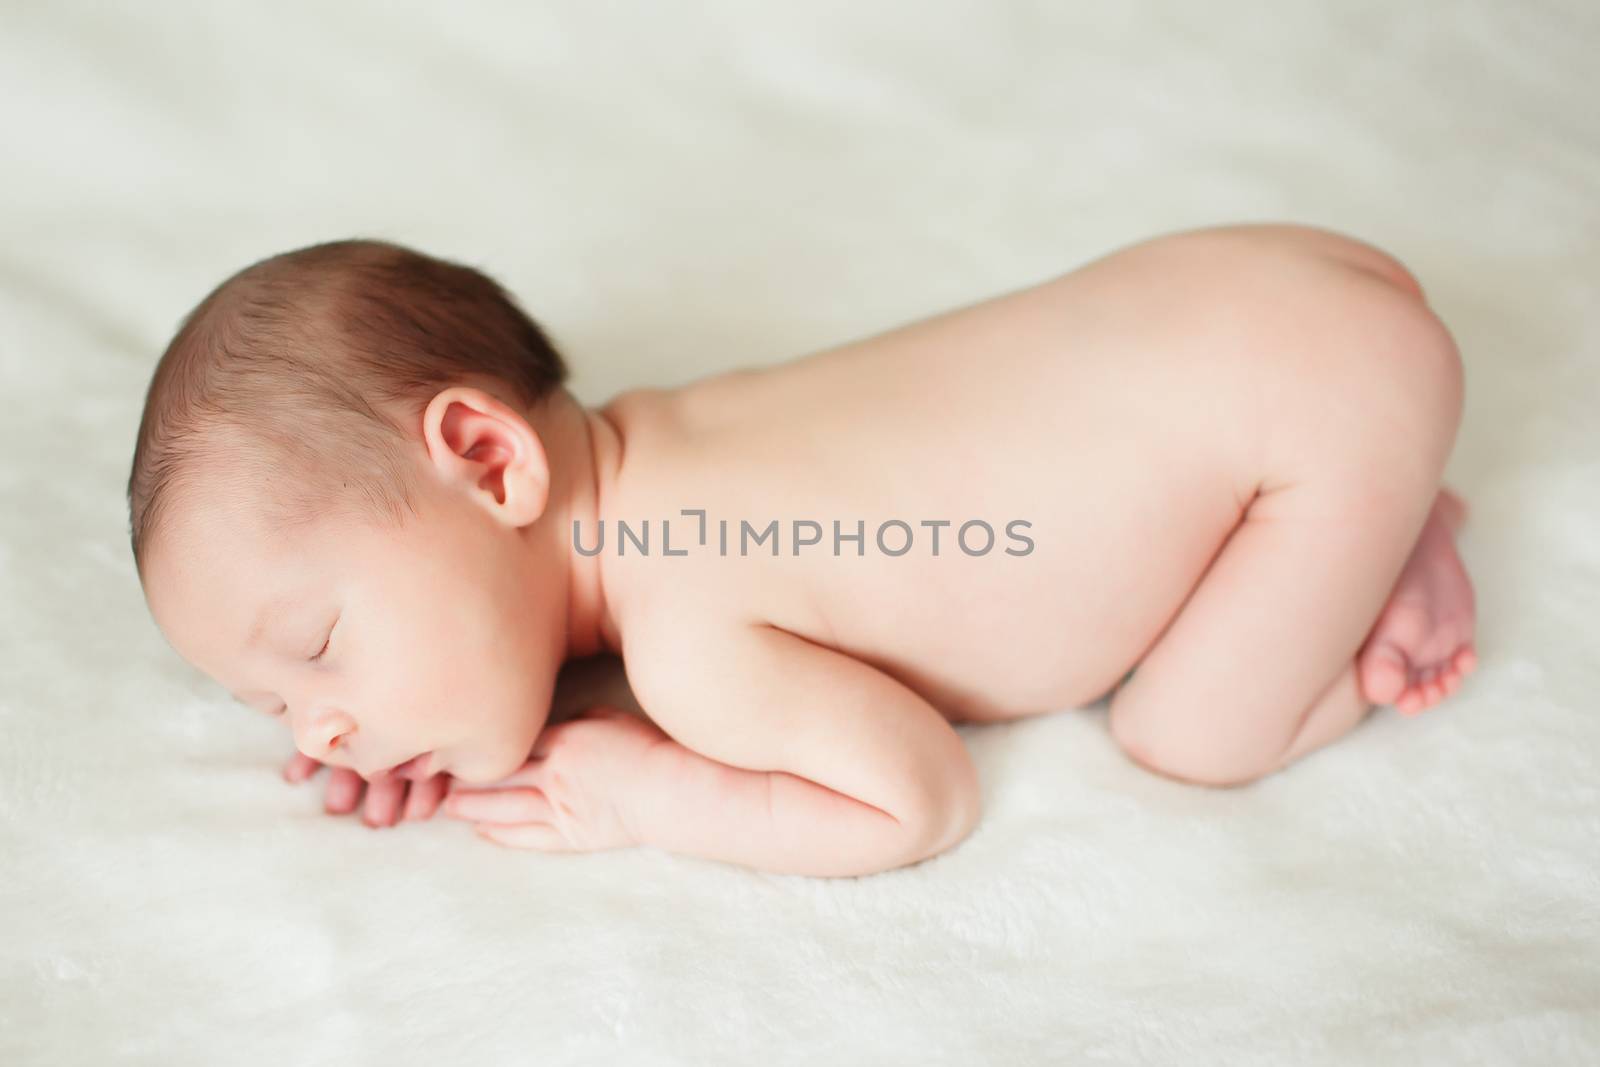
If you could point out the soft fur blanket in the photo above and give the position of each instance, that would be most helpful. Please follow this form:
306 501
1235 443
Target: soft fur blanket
678 189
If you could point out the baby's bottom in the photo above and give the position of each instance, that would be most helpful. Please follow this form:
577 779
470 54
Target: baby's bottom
1266 660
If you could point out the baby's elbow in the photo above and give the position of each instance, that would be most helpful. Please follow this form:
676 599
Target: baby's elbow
958 823
944 814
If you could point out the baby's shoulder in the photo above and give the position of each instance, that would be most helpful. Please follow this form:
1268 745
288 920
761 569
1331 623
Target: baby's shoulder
674 652
658 637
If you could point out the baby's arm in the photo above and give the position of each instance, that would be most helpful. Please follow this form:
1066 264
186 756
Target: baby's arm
767 751
779 754
794 758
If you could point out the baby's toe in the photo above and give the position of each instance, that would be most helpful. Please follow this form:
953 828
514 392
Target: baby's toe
1433 690
1432 683
1406 622
1418 687
1382 671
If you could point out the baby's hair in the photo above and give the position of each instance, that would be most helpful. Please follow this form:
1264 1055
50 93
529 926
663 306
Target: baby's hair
304 376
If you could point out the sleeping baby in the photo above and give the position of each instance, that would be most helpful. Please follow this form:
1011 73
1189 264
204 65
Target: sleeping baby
1199 476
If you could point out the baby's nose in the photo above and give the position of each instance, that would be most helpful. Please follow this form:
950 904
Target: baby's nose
320 733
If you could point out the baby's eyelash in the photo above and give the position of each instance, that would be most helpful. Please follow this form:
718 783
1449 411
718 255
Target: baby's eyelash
325 644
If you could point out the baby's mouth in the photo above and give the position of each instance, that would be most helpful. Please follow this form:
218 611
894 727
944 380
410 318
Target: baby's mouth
414 769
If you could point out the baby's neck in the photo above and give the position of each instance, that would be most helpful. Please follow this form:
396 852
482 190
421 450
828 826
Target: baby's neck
586 445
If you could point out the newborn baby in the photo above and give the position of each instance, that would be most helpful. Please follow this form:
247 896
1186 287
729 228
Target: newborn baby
363 500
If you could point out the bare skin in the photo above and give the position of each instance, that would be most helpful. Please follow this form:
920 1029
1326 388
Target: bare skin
1418 653
1224 448
1421 647
1076 362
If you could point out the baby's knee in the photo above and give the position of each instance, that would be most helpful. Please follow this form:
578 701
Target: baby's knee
1213 762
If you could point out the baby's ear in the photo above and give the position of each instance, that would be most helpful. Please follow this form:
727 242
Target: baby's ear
489 451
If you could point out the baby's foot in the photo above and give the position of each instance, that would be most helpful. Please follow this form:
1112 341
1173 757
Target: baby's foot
1421 646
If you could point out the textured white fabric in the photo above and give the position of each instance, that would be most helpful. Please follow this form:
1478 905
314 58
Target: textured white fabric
677 189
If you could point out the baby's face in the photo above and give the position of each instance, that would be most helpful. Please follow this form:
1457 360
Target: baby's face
434 640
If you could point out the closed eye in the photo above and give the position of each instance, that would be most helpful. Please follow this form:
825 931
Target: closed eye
324 650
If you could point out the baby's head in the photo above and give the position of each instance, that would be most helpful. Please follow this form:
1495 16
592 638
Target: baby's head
360 439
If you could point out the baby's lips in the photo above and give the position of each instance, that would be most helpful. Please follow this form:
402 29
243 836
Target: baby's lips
406 769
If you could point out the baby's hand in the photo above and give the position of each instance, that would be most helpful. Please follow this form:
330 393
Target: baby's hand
387 801
573 794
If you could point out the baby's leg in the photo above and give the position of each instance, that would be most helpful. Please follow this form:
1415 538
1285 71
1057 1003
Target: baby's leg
1258 667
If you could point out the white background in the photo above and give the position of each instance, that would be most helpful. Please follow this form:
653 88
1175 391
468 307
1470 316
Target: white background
675 189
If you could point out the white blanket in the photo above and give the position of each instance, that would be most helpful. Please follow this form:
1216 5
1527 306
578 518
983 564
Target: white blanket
677 189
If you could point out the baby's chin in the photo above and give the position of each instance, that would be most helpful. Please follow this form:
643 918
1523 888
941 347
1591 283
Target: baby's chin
483 768
501 750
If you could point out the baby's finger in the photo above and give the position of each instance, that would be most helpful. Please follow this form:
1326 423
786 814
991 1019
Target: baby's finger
384 797
526 835
424 798
500 806
300 767
343 792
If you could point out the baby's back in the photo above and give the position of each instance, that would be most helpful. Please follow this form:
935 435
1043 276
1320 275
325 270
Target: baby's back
1061 461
